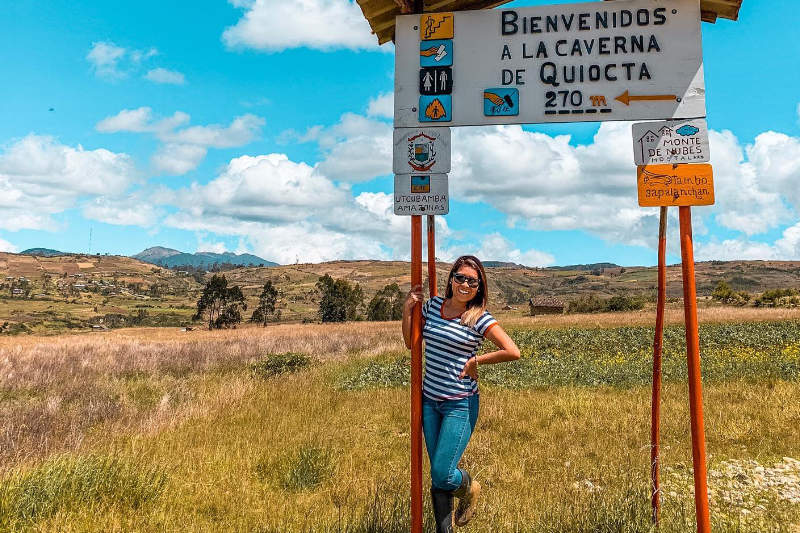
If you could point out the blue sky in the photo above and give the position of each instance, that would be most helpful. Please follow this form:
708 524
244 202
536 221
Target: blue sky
244 126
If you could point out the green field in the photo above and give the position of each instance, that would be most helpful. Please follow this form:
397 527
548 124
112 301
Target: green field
155 430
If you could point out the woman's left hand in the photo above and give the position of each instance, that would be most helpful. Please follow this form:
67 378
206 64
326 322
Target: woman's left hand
470 369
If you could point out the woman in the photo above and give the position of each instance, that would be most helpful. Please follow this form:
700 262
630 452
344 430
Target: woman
453 329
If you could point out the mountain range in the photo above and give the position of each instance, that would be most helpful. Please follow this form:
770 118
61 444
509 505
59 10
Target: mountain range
171 258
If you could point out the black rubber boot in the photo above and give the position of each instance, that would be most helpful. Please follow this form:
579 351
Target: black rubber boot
443 510
467 494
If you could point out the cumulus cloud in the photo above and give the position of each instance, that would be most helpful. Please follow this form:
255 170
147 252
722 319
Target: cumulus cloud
290 211
320 24
183 148
40 177
786 248
113 62
355 149
130 210
162 75
496 247
382 106
6 246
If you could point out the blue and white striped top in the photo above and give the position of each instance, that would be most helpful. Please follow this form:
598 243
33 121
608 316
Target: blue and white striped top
448 346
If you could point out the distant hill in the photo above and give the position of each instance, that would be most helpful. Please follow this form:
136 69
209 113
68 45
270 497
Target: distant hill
156 254
588 267
42 252
170 258
501 264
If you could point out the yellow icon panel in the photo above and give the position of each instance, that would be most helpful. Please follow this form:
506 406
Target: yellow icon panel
436 26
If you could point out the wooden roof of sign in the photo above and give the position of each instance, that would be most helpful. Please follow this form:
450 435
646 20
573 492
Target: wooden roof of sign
381 13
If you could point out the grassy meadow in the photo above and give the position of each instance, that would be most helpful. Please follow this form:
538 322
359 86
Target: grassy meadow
306 428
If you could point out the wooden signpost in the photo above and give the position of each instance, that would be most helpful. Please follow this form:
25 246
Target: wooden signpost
551 64
682 185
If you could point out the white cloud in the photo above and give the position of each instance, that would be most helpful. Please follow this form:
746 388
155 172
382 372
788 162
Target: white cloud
183 148
356 148
787 248
105 58
289 211
162 75
748 199
267 188
217 247
112 62
547 183
495 247
40 177
140 121
273 26
130 210
381 106
6 246
177 159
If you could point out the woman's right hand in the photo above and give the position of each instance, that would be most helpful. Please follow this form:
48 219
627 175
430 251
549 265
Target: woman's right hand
414 296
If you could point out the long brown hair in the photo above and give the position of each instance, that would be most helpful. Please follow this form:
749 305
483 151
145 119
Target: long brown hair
477 305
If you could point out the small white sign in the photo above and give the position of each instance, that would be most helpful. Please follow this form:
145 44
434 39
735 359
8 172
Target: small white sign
421 194
671 141
421 150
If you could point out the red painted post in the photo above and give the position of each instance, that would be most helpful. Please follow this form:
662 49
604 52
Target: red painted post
695 383
655 405
416 379
432 256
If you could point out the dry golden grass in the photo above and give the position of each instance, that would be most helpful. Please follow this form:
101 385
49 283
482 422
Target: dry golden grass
186 404
673 315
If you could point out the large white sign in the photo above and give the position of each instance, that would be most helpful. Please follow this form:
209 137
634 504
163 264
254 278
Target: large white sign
622 60
421 150
421 194
670 142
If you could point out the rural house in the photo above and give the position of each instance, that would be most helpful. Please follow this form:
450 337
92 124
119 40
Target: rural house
546 305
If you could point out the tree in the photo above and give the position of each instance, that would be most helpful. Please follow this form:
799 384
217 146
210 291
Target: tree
222 305
387 304
340 300
266 304
726 295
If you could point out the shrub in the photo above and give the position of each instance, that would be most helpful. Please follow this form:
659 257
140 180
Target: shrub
585 304
379 372
307 468
387 304
280 363
68 482
624 303
775 298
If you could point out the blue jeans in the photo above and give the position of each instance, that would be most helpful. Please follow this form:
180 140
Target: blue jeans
447 425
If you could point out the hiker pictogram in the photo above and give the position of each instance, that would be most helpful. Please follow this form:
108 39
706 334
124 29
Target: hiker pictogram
435 108
436 26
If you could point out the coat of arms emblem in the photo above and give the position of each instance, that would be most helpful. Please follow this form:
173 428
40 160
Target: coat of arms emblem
421 152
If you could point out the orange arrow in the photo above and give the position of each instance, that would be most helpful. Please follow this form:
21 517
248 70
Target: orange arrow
626 98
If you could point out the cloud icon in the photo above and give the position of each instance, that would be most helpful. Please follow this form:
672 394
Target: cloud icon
687 130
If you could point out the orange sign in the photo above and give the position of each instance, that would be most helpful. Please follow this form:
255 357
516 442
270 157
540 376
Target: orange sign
436 26
683 185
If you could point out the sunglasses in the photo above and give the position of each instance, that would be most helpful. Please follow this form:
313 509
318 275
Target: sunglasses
461 278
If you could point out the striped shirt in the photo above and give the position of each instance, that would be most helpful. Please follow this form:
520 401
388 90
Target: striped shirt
448 346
